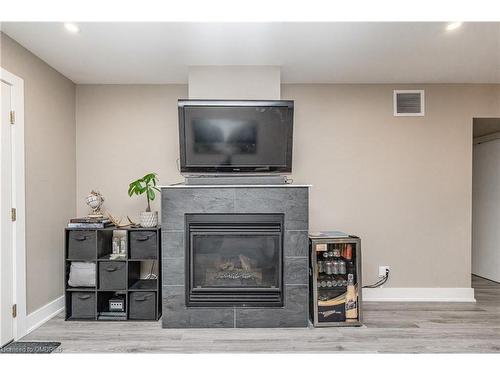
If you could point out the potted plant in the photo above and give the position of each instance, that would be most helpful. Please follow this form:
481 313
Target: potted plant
146 185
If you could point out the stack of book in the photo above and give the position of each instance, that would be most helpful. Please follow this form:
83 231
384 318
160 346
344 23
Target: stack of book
89 223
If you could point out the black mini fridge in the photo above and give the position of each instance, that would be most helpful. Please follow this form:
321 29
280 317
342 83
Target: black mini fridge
335 279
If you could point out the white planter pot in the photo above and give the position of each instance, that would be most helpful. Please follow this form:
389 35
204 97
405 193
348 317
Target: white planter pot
149 219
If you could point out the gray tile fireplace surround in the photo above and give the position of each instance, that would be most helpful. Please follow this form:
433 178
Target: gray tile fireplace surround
290 200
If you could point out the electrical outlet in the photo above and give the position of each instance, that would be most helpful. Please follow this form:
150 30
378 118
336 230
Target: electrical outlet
382 270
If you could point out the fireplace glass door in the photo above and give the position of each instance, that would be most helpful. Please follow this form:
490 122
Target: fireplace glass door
234 259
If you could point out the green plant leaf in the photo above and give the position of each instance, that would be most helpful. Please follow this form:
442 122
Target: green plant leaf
149 177
132 188
151 194
140 188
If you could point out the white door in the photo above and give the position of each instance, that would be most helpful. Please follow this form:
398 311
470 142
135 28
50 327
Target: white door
6 234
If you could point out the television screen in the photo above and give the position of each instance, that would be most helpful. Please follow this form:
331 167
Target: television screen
235 136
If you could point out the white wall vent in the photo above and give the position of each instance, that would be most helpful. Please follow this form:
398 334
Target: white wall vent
409 103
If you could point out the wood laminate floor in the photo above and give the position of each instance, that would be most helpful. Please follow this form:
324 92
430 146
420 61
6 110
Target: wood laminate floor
390 327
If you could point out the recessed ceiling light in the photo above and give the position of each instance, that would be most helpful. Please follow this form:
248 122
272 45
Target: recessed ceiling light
71 27
453 26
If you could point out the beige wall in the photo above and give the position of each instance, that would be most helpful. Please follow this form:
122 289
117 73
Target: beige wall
124 132
402 184
50 168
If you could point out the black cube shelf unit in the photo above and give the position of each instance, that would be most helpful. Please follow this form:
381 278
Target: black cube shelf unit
121 276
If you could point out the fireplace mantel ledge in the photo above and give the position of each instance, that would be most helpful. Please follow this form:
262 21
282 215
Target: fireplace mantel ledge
183 186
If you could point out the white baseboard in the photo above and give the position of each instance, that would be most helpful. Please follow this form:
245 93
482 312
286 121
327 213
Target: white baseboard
43 314
419 295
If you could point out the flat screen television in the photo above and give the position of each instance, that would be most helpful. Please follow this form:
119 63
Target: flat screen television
235 136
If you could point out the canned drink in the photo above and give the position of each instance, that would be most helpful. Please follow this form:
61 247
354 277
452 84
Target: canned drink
335 267
323 283
342 267
329 267
328 283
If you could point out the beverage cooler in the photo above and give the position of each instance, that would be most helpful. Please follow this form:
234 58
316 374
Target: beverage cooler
335 279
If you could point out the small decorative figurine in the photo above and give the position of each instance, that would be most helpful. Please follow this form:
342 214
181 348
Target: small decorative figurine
95 200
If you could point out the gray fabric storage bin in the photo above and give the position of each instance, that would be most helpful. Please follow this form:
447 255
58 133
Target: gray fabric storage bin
83 305
112 275
82 274
142 305
82 244
143 244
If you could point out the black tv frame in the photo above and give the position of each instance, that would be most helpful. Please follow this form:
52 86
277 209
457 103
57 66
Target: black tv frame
233 170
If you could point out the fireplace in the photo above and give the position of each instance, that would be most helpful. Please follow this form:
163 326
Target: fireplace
234 260
235 256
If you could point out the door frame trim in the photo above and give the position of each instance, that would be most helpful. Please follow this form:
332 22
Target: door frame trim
18 201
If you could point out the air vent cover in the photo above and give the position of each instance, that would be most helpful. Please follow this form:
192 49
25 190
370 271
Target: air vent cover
408 102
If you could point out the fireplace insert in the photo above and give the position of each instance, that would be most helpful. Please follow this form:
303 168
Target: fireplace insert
234 260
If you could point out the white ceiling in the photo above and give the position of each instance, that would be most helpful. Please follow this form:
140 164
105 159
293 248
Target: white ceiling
307 52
